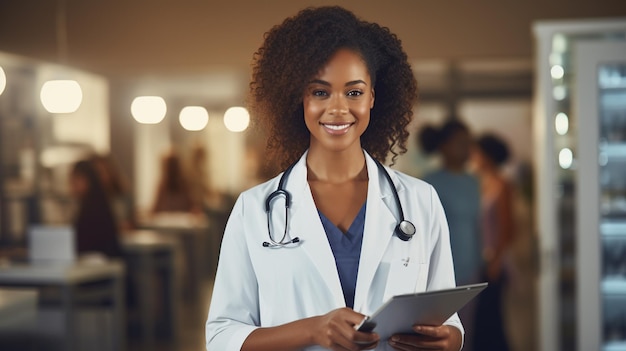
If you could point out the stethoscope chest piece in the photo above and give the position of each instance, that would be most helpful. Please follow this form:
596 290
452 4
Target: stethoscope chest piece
405 230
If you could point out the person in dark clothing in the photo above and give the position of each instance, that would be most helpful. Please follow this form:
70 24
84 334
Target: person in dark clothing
94 224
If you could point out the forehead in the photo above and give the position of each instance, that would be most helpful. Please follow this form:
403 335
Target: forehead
345 63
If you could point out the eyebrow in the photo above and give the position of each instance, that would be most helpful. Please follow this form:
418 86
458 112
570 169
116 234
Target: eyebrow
323 82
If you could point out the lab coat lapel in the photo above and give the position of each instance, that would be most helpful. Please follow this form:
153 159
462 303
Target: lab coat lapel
379 225
306 225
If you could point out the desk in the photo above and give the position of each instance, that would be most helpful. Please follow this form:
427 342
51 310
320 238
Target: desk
192 231
69 278
18 307
150 255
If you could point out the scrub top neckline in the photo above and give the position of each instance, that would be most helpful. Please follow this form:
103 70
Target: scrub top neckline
354 228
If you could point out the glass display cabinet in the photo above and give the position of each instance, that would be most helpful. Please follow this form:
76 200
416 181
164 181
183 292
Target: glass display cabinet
580 152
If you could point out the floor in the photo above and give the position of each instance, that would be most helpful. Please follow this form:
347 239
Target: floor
192 317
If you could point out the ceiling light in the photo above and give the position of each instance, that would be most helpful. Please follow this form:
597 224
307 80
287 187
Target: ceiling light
236 119
3 80
61 96
148 109
193 118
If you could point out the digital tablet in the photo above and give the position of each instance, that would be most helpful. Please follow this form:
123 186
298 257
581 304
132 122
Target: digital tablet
401 312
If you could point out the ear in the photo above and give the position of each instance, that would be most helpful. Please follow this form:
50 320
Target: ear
373 98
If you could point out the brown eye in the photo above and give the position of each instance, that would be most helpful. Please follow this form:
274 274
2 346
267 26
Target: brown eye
319 93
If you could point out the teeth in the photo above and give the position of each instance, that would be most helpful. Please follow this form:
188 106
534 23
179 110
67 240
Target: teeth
336 126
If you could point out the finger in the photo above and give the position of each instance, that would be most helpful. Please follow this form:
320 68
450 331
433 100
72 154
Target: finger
369 346
440 332
413 342
366 341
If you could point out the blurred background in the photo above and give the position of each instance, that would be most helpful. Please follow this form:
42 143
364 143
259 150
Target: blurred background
124 137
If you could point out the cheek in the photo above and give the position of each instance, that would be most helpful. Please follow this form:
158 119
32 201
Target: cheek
312 109
362 111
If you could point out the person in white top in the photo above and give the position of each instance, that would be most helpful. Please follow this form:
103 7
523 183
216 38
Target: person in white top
306 255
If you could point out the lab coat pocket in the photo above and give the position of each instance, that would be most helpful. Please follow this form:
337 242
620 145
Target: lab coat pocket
405 276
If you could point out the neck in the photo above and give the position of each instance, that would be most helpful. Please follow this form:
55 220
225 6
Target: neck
336 167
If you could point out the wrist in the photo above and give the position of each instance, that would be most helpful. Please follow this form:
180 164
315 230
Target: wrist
310 328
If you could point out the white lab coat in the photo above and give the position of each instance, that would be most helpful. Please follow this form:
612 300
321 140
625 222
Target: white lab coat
263 286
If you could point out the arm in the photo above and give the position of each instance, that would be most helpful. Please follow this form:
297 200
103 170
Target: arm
334 330
234 310
505 230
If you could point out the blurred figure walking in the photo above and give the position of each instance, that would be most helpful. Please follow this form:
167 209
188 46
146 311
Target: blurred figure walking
459 192
490 154
173 193
95 225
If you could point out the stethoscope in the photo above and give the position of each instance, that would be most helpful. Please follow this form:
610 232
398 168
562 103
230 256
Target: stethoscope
404 230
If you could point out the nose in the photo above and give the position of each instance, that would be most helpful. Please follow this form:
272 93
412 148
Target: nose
338 105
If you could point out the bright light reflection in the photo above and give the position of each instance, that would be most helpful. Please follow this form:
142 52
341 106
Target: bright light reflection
3 80
193 118
561 123
61 96
559 43
556 58
566 158
236 119
557 72
559 93
148 109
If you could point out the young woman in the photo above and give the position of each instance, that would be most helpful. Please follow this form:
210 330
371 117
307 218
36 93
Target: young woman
459 192
307 254
95 225
490 154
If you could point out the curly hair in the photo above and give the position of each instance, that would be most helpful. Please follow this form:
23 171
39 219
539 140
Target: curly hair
295 51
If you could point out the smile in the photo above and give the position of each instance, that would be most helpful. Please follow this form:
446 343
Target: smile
337 128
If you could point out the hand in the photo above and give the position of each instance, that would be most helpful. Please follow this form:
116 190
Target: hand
444 337
335 331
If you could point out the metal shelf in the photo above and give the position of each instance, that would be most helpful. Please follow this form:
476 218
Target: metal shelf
614 151
613 228
614 346
614 286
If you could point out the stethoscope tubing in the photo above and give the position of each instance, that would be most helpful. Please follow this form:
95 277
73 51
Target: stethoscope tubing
404 230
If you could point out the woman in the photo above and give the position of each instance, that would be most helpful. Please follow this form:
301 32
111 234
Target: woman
95 225
459 192
336 94
489 156
173 194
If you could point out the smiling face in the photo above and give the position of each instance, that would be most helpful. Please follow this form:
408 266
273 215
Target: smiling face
337 104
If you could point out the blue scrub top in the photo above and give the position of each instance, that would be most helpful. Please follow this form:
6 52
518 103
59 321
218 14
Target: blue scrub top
347 251
460 197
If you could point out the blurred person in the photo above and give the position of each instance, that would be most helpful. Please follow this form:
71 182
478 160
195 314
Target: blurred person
95 225
459 192
489 155
117 189
336 94
204 195
173 192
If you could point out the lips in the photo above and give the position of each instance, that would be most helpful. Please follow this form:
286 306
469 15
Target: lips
337 127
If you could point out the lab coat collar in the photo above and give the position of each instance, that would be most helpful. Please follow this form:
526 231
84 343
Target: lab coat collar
307 225
379 225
